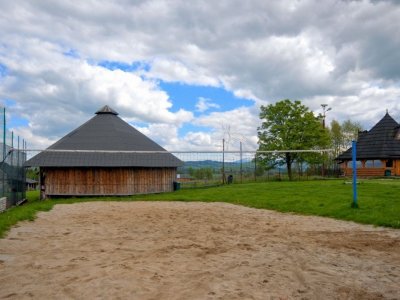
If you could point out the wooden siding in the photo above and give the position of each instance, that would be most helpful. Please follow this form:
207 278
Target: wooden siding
363 171
107 181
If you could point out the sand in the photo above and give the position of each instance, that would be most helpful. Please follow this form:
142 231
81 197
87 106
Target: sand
172 250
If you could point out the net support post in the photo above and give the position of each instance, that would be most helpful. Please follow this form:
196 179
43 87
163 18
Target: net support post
354 164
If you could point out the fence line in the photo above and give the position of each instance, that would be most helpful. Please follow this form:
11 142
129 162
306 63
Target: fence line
12 172
210 168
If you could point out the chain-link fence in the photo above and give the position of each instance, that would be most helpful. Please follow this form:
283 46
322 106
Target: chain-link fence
96 172
225 167
12 172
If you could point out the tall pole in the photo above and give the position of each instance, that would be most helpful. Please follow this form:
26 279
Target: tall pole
354 162
324 110
12 147
4 133
223 161
18 153
23 169
241 163
255 167
4 151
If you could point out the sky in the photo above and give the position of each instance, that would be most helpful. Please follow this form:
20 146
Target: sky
191 73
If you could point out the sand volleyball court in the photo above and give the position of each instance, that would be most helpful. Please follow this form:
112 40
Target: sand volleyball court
172 250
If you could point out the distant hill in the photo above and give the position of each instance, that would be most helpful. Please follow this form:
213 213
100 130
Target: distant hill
216 166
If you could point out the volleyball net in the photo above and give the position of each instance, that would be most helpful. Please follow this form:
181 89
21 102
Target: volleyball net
208 168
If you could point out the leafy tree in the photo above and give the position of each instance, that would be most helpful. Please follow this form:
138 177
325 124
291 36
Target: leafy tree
32 173
288 125
201 173
336 135
350 132
191 172
343 134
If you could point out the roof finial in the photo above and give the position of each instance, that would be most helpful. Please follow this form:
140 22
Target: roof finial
106 110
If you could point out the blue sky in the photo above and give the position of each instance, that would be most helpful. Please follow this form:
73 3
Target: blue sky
187 96
189 75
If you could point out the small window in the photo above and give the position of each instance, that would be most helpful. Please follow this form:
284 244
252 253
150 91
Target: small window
397 135
389 163
369 164
376 163
350 164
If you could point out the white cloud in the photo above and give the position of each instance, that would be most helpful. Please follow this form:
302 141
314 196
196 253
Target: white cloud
343 53
204 104
176 71
235 126
63 92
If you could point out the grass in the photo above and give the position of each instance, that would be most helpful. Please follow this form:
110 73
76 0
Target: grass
379 201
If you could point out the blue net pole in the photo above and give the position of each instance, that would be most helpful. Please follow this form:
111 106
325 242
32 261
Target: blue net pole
354 156
4 154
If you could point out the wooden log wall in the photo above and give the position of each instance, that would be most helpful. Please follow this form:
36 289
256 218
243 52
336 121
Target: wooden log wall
364 171
107 181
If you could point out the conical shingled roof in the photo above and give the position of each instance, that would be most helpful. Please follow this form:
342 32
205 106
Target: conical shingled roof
380 142
109 133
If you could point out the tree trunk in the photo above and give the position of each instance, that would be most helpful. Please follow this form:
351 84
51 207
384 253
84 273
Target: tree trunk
289 165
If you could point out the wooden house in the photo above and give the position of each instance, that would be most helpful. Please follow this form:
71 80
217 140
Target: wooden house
105 156
31 184
378 151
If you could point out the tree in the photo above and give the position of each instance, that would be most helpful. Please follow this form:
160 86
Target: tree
343 134
32 173
288 125
336 137
350 132
201 173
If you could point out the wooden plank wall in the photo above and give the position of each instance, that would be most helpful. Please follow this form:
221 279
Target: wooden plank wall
367 172
372 172
107 181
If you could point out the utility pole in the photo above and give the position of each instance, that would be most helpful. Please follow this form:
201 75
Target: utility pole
325 109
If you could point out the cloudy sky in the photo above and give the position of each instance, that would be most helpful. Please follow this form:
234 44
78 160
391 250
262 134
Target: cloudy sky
189 73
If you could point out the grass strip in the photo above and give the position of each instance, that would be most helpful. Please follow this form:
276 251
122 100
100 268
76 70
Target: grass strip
379 200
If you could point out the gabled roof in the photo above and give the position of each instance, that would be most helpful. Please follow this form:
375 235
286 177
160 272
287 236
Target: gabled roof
106 132
381 142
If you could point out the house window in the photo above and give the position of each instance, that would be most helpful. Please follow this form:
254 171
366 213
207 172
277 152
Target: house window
389 163
397 135
350 164
376 163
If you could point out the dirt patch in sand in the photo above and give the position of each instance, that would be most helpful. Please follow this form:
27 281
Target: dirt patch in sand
171 250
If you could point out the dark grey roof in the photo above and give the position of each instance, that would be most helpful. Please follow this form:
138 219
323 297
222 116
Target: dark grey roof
381 142
104 132
31 181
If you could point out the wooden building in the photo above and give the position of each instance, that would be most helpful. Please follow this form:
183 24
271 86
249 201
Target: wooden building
105 156
378 151
31 184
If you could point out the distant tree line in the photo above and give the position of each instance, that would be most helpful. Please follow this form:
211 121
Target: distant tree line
201 173
32 173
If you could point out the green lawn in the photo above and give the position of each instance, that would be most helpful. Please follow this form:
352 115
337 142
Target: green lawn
379 200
